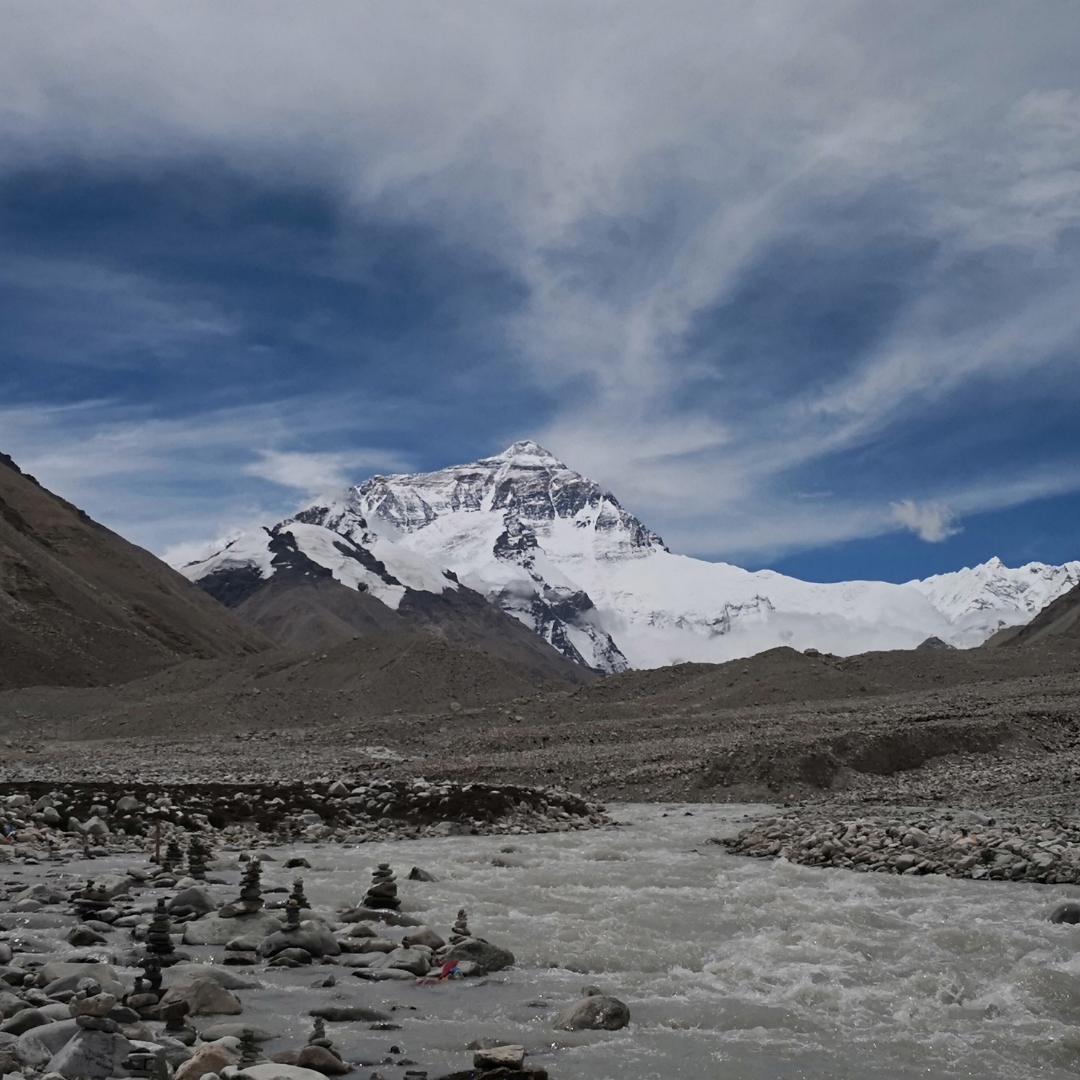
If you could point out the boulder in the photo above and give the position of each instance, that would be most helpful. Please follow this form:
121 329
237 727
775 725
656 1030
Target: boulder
94 1054
24 1021
83 936
57 977
311 936
488 956
213 930
97 1005
193 899
595 1012
412 960
204 996
509 1056
38 1045
322 1060
1068 912
273 1070
208 1058
423 935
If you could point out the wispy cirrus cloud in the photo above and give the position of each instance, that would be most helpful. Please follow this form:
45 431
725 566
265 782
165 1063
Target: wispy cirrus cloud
715 255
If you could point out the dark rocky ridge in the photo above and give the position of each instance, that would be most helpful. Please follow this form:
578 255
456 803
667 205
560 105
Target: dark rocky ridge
81 606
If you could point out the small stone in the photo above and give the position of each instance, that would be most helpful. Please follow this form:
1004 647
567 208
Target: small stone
508 1056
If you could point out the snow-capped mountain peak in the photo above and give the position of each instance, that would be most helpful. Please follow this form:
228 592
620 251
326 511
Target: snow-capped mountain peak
559 553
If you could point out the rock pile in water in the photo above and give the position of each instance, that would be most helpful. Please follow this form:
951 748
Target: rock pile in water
383 890
961 844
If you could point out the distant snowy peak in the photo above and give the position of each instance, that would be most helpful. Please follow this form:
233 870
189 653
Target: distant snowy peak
966 597
557 552
526 485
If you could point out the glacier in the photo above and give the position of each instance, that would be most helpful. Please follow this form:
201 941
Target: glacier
559 553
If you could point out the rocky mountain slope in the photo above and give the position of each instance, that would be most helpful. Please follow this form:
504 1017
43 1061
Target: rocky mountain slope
80 606
561 555
309 586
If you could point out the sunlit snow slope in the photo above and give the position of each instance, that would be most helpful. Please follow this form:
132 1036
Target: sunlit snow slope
559 553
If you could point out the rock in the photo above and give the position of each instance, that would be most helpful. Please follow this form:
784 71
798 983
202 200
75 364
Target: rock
208 1058
322 1060
213 930
55 977
297 861
597 1012
416 874
273 1070
93 1054
233 1030
10 1004
98 1005
128 804
38 1045
508 1056
1069 912
194 899
204 996
488 956
406 960
247 944
291 958
81 936
338 789
340 1014
311 936
422 935
24 1021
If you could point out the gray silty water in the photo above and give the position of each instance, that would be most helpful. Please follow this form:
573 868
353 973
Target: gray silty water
732 967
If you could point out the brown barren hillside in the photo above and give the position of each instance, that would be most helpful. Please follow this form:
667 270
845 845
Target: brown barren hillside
80 606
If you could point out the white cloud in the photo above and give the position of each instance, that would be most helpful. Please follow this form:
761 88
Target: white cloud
513 126
319 475
932 522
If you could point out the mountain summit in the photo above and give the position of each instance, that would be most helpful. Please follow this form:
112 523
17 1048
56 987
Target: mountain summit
556 551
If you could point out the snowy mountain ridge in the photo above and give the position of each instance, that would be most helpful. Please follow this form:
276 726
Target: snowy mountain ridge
555 550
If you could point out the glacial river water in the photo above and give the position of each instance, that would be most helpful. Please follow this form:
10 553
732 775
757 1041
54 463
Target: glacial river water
733 968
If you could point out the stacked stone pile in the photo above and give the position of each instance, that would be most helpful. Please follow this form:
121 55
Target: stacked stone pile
957 845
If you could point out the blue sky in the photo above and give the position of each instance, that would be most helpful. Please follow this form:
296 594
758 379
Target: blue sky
799 283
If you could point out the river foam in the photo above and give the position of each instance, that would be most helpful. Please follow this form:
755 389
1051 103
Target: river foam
733 967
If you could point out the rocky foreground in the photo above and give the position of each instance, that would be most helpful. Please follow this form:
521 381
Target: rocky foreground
157 966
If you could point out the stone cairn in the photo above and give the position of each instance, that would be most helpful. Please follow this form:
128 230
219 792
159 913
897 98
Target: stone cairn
460 932
250 899
383 891
197 854
174 855
297 893
149 982
91 900
158 940
249 1049
318 1034
292 914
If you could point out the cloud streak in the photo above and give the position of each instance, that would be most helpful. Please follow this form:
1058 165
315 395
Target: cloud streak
714 255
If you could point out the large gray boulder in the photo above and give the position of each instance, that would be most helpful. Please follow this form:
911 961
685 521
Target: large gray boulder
204 996
595 1012
188 970
311 936
214 930
488 956
55 977
195 898
38 1045
94 1054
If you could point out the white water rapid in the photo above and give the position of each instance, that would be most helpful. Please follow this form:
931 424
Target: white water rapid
733 968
